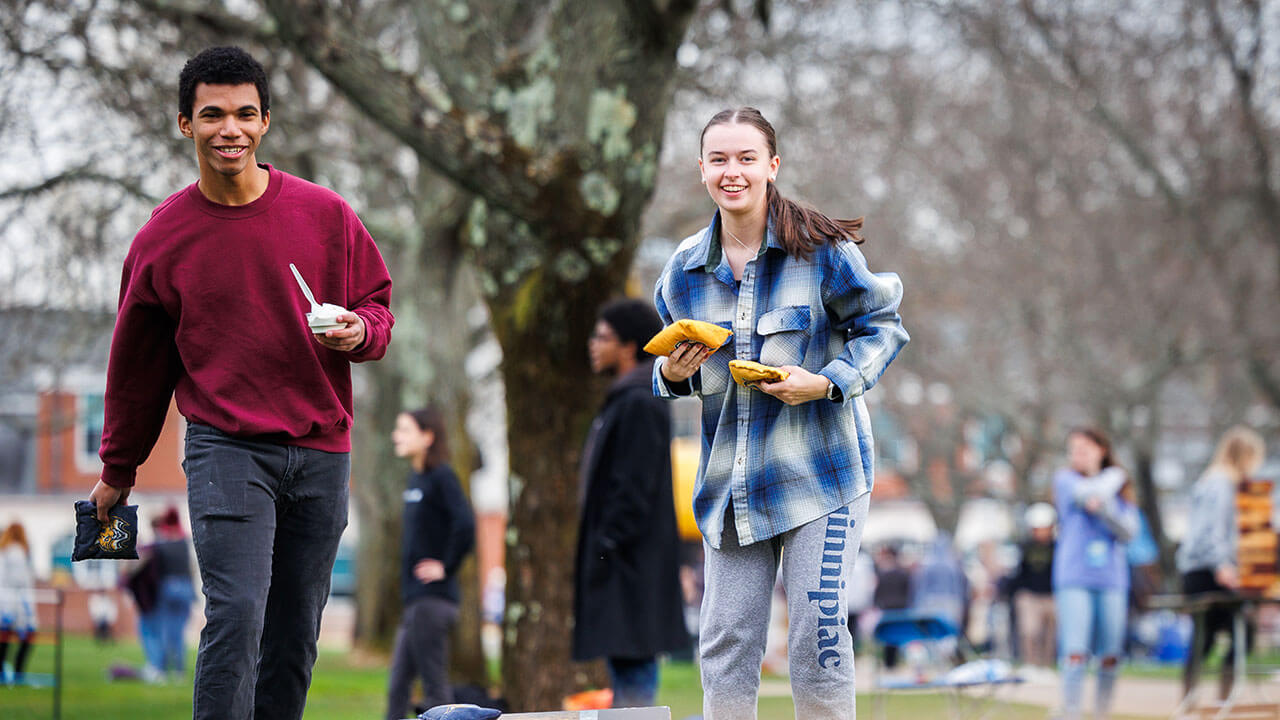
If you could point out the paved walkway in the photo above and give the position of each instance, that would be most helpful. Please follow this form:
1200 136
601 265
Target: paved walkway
1135 697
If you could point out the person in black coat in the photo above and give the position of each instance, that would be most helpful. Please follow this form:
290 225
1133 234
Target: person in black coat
627 601
439 531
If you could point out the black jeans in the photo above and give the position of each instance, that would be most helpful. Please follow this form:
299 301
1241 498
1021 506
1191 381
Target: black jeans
266 520
421 651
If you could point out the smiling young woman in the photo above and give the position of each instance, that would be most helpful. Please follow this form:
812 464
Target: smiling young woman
791 465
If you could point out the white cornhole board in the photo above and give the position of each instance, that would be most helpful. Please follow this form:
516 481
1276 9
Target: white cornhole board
649 713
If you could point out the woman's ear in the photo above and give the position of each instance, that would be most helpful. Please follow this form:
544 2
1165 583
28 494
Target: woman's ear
428 439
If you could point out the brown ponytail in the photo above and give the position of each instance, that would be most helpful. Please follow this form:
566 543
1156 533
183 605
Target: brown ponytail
800 229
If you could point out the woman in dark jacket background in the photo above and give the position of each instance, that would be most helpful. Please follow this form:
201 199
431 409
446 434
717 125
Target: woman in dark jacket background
439 531
627 600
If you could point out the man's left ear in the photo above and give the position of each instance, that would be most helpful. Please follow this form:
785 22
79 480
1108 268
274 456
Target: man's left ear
266 122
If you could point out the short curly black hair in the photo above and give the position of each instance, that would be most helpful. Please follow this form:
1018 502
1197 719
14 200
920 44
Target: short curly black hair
633 321
227 65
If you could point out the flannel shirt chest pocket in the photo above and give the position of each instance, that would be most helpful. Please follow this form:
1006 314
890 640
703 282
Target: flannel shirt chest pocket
785 333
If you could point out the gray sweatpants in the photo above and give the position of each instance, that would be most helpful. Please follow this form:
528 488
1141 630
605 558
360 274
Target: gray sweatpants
735 617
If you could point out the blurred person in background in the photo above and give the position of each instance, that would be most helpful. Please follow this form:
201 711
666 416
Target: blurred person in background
163 627
17 602
861 584
987 617
1097 517
939 585
627 596
103 612
1143 555
1207 558
893 591
437 533
1032 588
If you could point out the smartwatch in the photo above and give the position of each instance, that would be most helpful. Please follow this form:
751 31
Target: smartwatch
833 391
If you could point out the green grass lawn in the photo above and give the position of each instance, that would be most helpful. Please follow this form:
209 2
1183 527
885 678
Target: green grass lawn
1259 662
346 688
341 688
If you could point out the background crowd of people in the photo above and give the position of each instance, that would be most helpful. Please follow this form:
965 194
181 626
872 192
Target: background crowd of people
1084 566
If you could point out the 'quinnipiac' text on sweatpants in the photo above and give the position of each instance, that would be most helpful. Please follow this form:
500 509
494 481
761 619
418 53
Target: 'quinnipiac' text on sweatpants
814 559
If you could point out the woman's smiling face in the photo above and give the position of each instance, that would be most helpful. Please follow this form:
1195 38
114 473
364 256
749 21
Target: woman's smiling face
1084 455
737 167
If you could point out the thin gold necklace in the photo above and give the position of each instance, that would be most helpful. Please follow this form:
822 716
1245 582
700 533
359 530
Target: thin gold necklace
735 238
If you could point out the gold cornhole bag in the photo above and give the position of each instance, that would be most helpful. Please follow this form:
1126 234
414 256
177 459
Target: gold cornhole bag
751 373
683 331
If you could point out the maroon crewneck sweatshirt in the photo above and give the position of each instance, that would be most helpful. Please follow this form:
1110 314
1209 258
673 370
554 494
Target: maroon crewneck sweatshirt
210 313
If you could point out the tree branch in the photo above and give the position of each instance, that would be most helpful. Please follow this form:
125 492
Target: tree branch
220 22
1244 85
1100 111
649 19
463 145
75 175
665 25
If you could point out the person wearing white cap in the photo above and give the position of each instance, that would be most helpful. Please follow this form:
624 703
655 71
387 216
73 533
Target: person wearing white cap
1032 588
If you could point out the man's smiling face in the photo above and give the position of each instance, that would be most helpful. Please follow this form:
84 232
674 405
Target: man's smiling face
227 125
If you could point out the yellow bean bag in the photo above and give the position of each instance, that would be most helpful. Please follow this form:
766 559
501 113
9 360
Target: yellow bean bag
751 373
683 331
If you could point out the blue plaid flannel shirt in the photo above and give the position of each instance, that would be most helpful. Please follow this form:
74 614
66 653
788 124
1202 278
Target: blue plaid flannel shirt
782 466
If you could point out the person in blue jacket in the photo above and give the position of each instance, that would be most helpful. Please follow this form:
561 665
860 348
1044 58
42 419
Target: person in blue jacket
1097 518
438 533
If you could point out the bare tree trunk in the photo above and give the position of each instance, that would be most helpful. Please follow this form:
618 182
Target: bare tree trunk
550 404
377 483
443 292
1149 492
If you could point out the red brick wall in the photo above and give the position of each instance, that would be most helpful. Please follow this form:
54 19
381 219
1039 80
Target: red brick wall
57 445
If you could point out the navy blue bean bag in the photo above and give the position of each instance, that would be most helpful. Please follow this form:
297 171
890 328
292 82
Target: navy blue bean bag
460 712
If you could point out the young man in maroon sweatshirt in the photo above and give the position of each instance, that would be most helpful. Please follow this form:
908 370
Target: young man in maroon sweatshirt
210 314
